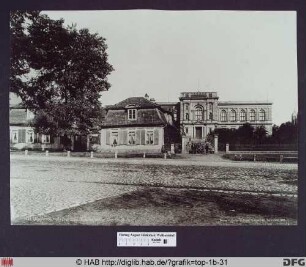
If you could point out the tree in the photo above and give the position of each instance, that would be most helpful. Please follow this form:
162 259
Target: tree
245 133
260 134
60 74
286 133
224 135
19 44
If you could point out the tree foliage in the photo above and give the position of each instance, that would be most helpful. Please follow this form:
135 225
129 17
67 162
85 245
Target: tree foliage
286 133
59 72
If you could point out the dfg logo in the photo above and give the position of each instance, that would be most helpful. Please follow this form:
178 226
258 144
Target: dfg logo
294 262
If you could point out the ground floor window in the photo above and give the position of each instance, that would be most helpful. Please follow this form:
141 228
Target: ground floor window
132 138
149 138
45 138
30 136
114 138
14 136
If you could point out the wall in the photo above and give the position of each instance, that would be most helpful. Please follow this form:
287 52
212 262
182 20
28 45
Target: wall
248 106
23 140
140 145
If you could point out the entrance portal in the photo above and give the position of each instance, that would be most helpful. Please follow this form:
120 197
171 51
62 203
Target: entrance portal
198 132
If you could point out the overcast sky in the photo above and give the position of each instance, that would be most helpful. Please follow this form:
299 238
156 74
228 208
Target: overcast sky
243 55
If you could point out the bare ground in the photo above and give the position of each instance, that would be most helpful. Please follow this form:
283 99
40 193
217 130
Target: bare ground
162 206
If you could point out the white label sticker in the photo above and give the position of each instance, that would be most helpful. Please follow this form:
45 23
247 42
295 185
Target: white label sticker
146 239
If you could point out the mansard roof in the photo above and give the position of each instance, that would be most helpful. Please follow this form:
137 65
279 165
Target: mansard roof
137 102
148 114
18 116
145 117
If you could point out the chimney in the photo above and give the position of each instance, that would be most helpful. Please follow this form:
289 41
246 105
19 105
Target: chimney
146 96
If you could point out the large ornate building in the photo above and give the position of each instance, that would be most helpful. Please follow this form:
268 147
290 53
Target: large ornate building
202 112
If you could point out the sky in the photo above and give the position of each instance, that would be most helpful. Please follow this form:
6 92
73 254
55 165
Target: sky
241 55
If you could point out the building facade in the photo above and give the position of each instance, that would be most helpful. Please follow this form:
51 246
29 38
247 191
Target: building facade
137 124
202 113
141 124
23 135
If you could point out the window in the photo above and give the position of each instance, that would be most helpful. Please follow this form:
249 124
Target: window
223 116
242 115
45 138
262 115
131 138
233 115
114 138
132 114
30 136
210 116
187 116
252 115
210 106
14 136
149 137
186 130
174 115
210 95
199 114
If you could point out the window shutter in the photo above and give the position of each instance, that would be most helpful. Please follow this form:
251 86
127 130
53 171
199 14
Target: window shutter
37 139
143 136
124 140
137 137
156 136
21 136
122 137
107 133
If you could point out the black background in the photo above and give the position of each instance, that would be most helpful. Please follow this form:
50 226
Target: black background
225 241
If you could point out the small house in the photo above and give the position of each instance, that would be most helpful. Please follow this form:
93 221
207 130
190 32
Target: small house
137 124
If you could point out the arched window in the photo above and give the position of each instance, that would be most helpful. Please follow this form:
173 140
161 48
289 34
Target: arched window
211 116
262 115
233 115
252 115
242 115
199 113
223 115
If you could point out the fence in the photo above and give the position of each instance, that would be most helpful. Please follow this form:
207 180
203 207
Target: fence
262 147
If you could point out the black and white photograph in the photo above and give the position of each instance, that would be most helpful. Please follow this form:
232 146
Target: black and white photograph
153 118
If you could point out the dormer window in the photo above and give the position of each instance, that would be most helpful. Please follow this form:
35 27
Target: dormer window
132 114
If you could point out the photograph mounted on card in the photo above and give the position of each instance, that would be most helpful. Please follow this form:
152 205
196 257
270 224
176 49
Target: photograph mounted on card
153 118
